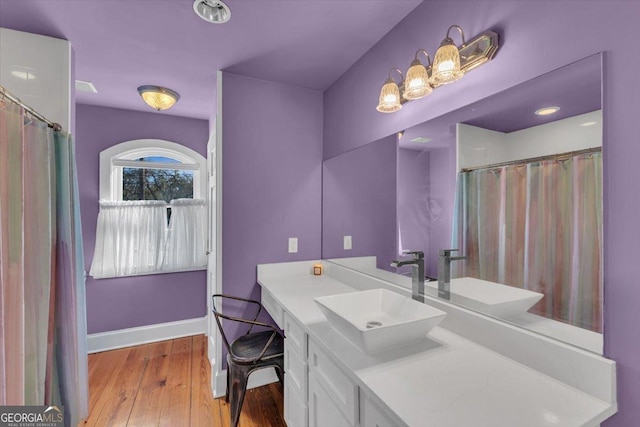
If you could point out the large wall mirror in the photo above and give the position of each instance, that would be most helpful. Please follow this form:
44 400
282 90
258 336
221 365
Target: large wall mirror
511 182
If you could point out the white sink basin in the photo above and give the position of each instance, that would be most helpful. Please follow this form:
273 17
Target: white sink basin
379 319
494 299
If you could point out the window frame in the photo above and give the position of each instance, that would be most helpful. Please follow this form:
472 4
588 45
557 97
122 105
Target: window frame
119 156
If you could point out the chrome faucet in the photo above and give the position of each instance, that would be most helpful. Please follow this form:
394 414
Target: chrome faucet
444 272
417 276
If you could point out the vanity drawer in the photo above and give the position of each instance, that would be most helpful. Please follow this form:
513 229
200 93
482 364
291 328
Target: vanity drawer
296 337
273 308
337 385
323 410
296 370
371 415
296 413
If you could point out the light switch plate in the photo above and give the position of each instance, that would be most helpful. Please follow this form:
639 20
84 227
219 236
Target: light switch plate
347 243
293 245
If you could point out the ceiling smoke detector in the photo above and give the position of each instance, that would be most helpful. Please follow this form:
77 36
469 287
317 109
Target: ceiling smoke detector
214 11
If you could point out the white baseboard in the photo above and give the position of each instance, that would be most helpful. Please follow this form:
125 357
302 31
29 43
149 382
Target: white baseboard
145 334
256 379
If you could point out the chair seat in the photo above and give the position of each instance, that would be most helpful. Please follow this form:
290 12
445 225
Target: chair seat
250 345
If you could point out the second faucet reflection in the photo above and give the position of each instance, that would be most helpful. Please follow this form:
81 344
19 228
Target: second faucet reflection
444 272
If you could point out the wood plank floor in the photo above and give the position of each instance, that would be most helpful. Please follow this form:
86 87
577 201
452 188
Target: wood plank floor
167 384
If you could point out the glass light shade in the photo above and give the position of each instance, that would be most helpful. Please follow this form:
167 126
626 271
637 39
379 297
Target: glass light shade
389 98
446 64
416 84
158 98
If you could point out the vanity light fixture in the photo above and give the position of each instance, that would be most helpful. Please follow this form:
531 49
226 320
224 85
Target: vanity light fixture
158 97
446 63
449 64
214 11
390 94
545 111
417 83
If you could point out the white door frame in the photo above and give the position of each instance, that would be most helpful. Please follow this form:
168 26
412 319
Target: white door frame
214 271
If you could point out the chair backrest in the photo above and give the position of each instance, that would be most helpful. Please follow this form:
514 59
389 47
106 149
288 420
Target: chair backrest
219 315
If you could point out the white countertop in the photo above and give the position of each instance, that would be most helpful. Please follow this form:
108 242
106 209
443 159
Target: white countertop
443 381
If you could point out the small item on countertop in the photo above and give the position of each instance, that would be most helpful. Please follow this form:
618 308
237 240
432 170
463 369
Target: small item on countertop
317 270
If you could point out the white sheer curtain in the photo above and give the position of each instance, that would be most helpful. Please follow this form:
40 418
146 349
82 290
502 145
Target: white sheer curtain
130 238
186 241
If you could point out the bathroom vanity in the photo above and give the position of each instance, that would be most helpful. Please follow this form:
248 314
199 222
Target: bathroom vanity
471 370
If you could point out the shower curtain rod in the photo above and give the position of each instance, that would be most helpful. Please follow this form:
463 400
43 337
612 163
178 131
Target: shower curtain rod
535 159
5 94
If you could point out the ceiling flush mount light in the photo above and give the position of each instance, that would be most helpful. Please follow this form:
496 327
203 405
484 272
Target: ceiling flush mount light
389 101
545 111
450 63
417 83
157 97
214 11
446 63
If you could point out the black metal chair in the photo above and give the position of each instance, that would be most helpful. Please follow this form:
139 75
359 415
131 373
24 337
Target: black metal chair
248 353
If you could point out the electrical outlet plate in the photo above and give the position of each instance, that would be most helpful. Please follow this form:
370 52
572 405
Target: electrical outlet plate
293 245
347 243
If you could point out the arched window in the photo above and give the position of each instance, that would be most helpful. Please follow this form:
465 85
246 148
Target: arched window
152 210
151 169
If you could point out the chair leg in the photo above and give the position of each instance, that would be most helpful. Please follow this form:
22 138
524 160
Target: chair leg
226 394
279 367
239 376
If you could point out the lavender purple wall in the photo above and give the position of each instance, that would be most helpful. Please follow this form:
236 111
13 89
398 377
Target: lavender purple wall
272 177
537 37
358 200
142 300
414 194
442 176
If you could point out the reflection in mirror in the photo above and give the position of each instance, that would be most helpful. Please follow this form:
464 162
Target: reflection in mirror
519 194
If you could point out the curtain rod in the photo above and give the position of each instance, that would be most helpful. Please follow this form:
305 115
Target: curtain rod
535 159
5 94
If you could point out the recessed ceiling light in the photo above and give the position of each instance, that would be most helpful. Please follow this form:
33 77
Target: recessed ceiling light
214 11
585 124
545 111
421 139
83 86
23 75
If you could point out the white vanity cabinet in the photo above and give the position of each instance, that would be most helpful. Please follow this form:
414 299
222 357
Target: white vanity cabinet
328 383
296 411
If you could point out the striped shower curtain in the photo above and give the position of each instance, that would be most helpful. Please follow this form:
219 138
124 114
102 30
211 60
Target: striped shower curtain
537 226
43 353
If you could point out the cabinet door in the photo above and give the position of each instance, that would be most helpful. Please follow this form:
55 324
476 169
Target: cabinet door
295 410
323 412
338 386
371 415
296 370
